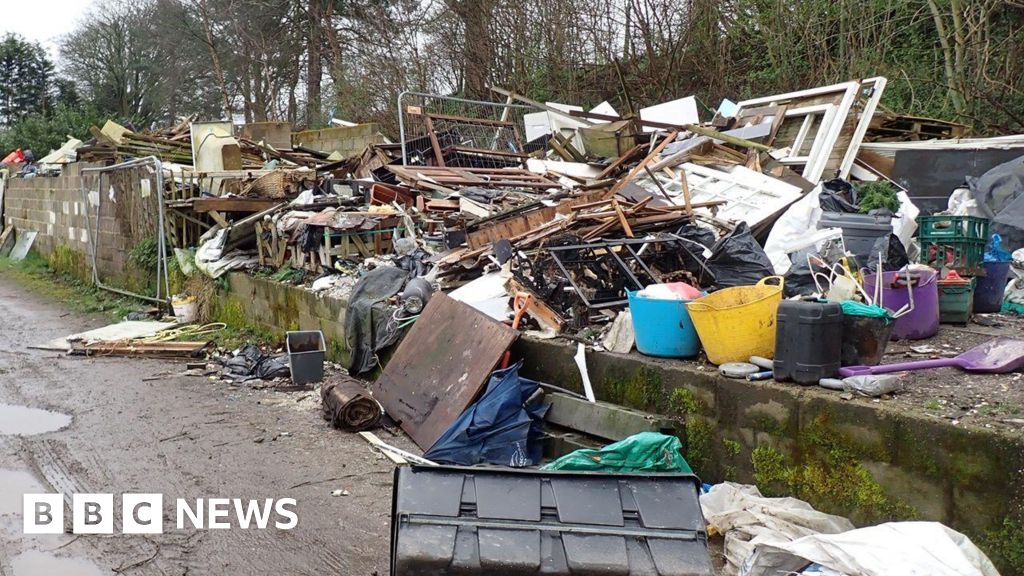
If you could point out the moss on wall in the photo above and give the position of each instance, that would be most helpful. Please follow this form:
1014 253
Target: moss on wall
698 446
828 474
69 263
1005 545
641 389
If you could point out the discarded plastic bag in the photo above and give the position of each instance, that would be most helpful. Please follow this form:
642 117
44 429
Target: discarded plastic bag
995 252
894 254
670 291
872 385
699 234
643 452
799 280
883 550
251 363
738 260
838 195
748 519
793 226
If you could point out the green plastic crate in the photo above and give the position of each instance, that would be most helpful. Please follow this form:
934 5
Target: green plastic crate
954 242
956 302
952 228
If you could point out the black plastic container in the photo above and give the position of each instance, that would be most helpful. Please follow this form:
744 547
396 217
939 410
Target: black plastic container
865 339
306 352
517 522
808 341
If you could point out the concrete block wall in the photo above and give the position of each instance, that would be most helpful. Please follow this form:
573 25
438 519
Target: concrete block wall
54 207
62 215
280 308
348 140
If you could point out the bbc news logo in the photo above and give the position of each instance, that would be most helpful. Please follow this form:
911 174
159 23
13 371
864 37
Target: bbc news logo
144 513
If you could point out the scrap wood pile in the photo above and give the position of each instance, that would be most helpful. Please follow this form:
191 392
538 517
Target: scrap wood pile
175 144
576 210
566 210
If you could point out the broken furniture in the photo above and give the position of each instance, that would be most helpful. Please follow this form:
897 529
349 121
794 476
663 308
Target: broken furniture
819 129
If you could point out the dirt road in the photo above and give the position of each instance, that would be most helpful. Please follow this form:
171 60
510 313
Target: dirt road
134 430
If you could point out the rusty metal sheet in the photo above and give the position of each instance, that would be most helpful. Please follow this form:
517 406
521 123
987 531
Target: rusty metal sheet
440 367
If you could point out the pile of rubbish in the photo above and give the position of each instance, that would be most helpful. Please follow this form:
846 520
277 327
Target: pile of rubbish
776 239
577 212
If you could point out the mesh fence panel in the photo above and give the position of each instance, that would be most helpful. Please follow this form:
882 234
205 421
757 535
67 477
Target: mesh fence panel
455 132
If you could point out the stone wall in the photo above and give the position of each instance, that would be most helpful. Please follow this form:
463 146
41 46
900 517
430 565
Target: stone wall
347 140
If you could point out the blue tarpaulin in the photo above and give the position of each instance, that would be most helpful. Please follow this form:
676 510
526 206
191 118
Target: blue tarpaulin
499 428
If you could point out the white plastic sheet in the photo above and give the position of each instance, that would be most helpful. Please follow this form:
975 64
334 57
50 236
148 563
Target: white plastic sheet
800 220
791 228
212 261
748 519
895 548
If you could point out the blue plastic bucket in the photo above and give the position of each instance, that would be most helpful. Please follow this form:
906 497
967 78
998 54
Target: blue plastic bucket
663 327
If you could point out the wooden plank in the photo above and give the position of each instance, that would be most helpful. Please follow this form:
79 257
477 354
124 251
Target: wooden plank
489 177
508 226
233 204
467 120
434 143
219 219
440 367
643 163
537 308
132 348
622 218
6 238
619 162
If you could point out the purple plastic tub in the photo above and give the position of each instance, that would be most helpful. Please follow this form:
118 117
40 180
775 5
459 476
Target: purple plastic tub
923 322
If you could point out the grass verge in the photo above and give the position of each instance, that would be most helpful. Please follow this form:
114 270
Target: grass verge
35 274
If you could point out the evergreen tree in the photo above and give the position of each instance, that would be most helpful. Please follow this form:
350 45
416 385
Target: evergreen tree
24 78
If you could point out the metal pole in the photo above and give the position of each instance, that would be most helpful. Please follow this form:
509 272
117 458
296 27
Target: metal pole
161 245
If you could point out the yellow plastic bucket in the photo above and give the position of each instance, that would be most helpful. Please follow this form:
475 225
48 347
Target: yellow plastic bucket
736 323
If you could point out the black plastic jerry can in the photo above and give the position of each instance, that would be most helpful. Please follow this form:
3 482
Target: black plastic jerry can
808 341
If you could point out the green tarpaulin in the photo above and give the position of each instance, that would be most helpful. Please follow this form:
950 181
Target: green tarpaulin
643 452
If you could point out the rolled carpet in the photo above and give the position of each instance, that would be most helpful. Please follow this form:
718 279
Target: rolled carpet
347 405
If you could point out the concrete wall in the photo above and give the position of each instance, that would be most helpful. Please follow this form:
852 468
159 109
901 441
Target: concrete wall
280 308
348 140
56 208
53 207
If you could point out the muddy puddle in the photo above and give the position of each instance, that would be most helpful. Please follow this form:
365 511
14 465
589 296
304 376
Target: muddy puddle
24 421
15 483
32 555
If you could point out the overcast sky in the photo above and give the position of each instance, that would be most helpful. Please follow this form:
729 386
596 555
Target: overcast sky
43 21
